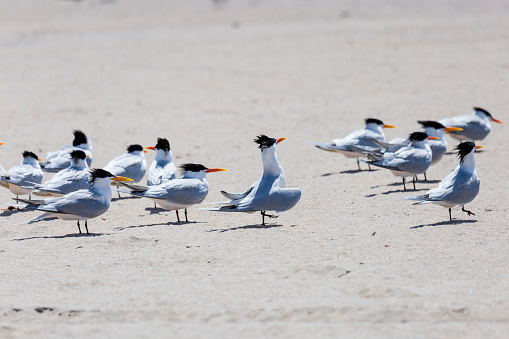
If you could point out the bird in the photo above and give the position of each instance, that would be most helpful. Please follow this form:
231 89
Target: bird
70 179
60 159
349 145
25 174
268 193
406 161
459 187
79 205
431 128
162 168
132 164
476 126
177 194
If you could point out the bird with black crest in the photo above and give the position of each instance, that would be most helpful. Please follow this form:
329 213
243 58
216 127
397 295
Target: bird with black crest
79 205
20 178
177 194
475 126
269 193
356 143
132 164
162 168
459 187
60 159
70 179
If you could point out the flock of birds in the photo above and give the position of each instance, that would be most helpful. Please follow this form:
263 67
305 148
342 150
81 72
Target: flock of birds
77 192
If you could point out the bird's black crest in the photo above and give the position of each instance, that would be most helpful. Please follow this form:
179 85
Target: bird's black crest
431 123
264 141
30 154
79 138
463 149
478 109
373 121
417 136
133 148
77 155
163 144
100 173
192 168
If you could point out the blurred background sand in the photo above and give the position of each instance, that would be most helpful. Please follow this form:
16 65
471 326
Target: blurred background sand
350 260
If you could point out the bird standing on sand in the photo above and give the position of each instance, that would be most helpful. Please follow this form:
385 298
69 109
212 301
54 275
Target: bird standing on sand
268 193
132 164
349 145
459 187
406 161
20 178
475 126
79 205
70 179
60 159
177 194
162 168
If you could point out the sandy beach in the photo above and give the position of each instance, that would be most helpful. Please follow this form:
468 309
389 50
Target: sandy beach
351 260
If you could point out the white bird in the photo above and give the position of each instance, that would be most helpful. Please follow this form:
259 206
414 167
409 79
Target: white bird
432 129
406 161
20 176
73 178
60 159
162 168
79 205
177 194
459 187
354 144
132 164
476 126
268 193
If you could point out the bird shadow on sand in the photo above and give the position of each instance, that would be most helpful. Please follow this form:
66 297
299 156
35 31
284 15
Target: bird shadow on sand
170 223
124 197
446 222
8 212
404 191
254 226
71 235
155 210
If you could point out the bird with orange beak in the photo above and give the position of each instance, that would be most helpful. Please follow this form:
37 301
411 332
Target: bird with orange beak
475 126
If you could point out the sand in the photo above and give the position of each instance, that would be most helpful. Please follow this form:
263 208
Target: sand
350 260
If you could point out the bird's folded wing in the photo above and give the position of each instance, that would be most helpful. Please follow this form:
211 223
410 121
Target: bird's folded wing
331 147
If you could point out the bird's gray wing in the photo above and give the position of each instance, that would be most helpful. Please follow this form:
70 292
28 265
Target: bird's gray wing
179 191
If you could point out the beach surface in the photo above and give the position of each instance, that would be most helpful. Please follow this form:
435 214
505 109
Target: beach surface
350 260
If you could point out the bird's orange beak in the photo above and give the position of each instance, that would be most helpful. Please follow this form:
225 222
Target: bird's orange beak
152 148
117 178
452 129
433 138
478 146
2 143
39 159
145 151
497 121
389 126
88 156
210 170
279 140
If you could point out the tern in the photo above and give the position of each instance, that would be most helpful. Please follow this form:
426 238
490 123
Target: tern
79 205
432 129
180 193
70 179
459 187
349 145
406 161
131 164
162 168
60 159
476 126
19 177
268 193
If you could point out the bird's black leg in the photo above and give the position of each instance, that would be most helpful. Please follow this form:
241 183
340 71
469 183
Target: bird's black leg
450 216
464 210
17 202
404 186
267 215
358 165
185 213
118 194
155 205
79 229
178 218
86 226
413 180
263 215
425 178
369 167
